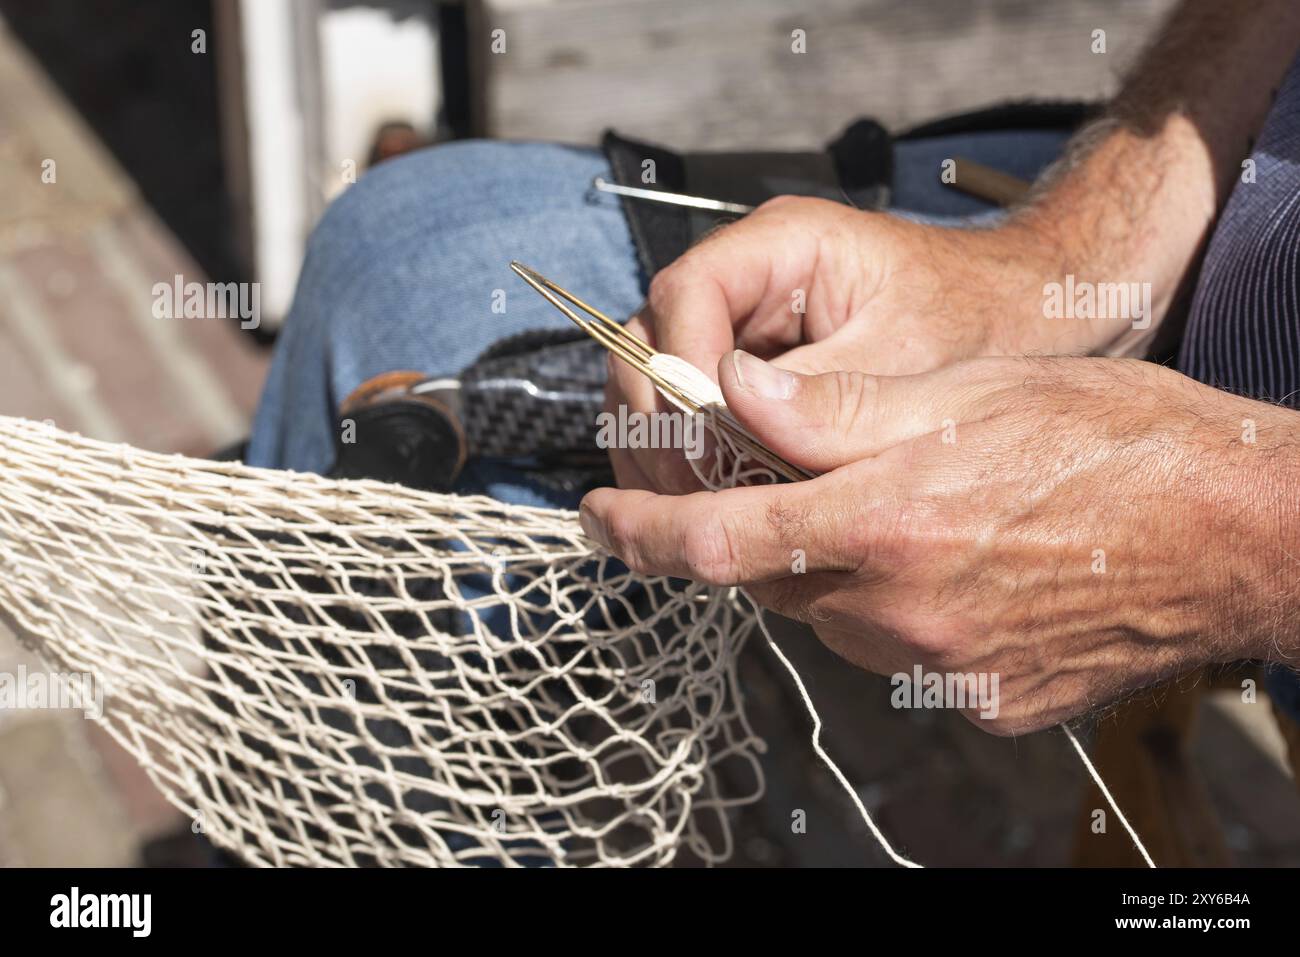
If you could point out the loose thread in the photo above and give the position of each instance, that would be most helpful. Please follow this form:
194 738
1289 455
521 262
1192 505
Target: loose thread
1105 792
857 800
817 743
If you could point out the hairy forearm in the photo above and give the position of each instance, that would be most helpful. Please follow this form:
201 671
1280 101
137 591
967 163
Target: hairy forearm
1138 192
1280 636
1252 486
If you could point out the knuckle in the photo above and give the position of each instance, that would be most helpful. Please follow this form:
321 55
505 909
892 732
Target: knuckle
1014 718
886 535
616 392
854 397
923 635
785 202
627 471
620 530
790 204
710 552
670 473
660 283
788 520
668 284
1003 726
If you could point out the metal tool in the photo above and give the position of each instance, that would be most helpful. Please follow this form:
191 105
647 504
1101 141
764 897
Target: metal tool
638 354
673 199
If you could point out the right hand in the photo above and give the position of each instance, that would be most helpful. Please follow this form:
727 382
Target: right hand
818 287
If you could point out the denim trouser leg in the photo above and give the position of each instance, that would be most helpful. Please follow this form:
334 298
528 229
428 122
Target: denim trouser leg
409 269
403 269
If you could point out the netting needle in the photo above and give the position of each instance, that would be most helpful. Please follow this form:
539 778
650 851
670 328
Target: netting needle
637 353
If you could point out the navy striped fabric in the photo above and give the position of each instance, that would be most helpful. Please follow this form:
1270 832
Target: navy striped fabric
1243 333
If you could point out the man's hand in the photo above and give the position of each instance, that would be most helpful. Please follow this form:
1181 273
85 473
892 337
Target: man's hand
1080 527
823 286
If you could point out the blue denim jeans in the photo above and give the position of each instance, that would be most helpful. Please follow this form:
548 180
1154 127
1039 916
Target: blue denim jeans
402 271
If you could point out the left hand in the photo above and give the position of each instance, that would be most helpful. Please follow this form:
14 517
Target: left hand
1078 527
816 285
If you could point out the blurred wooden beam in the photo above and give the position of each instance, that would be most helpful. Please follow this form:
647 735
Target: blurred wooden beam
987 183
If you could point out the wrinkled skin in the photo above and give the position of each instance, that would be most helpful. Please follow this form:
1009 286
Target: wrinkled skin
1079 527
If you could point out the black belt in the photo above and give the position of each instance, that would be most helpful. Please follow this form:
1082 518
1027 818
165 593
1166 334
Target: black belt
856 168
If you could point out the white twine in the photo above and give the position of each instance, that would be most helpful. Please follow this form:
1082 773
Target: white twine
817 744
1105 792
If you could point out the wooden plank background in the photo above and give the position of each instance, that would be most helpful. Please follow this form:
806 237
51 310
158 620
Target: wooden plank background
79 346
703 75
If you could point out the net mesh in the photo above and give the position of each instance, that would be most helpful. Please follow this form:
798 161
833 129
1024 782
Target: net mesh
353 673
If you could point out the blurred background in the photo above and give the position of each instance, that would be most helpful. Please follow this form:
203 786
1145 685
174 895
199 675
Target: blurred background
204 138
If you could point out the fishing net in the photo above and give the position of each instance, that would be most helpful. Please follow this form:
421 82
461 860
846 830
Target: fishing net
352 673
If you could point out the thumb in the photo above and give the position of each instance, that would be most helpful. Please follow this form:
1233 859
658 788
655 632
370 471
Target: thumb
821 422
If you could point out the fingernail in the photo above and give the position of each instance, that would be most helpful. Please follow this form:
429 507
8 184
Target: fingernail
591 527
761 378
